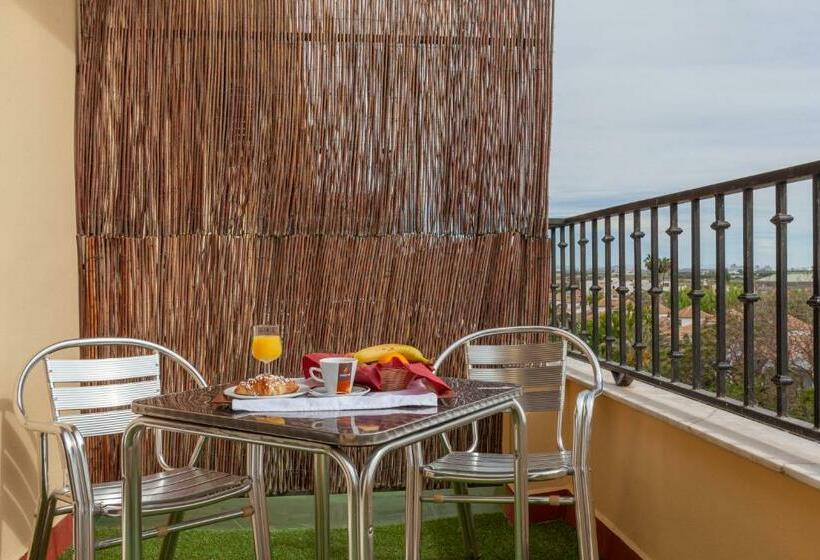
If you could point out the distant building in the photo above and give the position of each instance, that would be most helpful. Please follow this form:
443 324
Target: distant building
795 278
685 315
686 321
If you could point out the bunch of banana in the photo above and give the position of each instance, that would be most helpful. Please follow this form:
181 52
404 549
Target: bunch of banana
385 353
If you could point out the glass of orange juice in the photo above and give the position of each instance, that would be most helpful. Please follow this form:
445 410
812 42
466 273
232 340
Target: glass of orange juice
266 344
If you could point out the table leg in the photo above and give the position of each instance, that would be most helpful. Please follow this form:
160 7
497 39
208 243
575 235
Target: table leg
321 500
353 485
365 529
521 505
131 458
368 478
259 501
414 486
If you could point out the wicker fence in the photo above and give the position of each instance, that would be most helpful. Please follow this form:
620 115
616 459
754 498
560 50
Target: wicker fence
359 172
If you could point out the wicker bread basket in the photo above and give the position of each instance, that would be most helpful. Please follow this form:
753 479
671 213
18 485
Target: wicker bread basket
395 379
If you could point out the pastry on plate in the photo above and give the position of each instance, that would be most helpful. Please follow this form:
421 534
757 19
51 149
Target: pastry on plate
267 386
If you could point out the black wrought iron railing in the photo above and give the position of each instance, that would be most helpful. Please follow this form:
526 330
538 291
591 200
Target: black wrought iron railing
715 348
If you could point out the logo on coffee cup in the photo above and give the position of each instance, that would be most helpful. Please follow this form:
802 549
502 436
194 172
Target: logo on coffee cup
345 375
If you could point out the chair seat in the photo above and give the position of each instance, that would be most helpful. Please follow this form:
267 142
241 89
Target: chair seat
169 490
497 467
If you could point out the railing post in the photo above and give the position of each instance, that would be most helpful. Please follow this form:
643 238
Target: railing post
781 220
622 290
582 253
553 281
720 225
748 297
655 291
608 239
673 232
637 235
595 290
562 244
573 286
814 301
696 293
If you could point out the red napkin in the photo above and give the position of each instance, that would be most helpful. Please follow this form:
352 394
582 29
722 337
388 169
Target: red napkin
369 374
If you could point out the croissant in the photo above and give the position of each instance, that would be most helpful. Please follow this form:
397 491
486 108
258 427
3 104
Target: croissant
267 385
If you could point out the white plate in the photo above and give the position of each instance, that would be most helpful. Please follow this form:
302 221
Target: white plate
230 392
357 391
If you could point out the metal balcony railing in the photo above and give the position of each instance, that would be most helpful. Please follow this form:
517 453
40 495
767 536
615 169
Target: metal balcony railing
679 361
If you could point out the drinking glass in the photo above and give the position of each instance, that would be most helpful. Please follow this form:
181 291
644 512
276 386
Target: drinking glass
266 345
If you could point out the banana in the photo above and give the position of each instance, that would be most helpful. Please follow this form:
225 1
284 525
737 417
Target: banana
373 353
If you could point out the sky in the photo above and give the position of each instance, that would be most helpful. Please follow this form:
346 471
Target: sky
655 96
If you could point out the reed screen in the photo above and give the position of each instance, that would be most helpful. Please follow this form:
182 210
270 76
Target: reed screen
358 171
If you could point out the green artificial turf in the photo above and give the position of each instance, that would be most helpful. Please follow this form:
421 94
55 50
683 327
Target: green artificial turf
441 539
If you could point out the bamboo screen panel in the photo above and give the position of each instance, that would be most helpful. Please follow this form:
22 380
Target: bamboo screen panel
359 171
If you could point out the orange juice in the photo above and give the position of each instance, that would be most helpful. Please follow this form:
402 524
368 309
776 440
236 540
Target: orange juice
266 347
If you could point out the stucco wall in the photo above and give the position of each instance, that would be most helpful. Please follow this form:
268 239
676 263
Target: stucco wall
671 495
676 496
38 278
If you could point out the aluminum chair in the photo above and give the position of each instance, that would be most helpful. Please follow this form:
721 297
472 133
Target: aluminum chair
80 410
541 371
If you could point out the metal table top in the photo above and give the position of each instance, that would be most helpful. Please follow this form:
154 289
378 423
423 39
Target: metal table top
348 428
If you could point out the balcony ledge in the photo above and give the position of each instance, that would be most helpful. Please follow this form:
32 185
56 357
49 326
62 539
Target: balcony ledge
795 457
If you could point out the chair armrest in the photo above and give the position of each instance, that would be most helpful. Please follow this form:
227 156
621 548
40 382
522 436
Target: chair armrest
582 427
75 456
160 455
54 428
448 446
420 452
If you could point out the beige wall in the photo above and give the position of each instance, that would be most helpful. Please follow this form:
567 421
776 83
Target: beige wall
38 274
672 495
677 496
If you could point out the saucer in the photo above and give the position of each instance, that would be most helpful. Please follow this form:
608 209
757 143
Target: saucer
356 391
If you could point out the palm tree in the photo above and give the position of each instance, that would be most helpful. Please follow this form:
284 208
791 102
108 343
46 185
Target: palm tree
664 263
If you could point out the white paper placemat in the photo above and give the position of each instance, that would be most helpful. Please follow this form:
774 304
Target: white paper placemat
418 396
327 414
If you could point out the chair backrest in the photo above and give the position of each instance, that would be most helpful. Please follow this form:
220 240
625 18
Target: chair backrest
538 367
102 408
94 395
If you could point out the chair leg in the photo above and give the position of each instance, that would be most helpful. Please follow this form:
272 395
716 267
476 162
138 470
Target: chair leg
584 508
585 519
169 541
412 509
83 533
42 530
258 496
465 518
80 480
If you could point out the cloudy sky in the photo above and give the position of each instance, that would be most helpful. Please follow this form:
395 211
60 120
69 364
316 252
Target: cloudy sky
653 96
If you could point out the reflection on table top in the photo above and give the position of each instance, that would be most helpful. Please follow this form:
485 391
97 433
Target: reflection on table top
352 428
